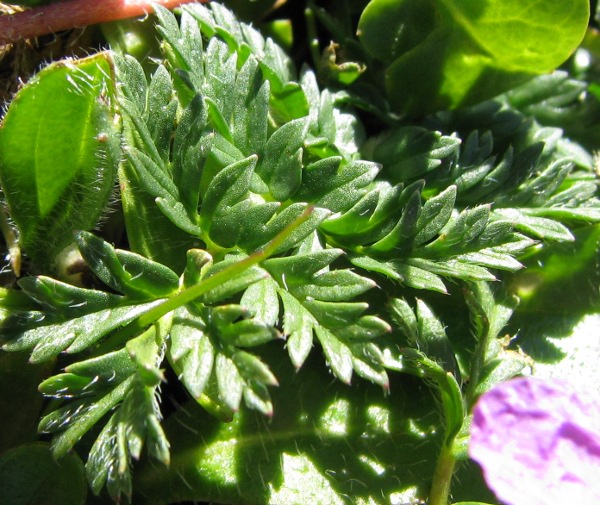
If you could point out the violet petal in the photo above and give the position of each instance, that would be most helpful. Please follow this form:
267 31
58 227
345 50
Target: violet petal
538 442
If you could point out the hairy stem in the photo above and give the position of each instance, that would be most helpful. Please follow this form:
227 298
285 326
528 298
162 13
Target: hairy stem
72 14
442 477
12 242
193 292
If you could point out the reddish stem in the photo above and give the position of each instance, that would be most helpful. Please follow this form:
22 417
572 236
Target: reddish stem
74 13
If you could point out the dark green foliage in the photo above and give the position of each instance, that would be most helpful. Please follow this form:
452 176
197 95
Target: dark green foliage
257 212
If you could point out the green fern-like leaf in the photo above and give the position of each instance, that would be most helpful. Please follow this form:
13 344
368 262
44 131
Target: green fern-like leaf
257 213
253 186
417 241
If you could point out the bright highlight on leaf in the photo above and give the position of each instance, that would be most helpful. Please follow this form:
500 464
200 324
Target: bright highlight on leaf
59 149
451 53
270 250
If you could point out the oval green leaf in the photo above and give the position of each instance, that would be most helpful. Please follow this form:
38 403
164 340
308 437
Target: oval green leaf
452 53
59 150
29 475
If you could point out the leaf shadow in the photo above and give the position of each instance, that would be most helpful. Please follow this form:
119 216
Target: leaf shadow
326 441
360 442
564 282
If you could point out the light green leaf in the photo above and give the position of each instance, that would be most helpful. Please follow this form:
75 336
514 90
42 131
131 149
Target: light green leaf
298 324
253 369
231 383
450 393
453 268
457 53
300 268
288 102
65 385
366 328
261 300
369 218
250 109
492 259
191 350
284 218
333 286
248 333
470 225
50 340
339 356
335 314
154 179
145 351
263 221
403 231
161 103
80 420
228 188
190 150
113 367
434 215
178 215
183 49
432 339
234 285
507 365
127 272
405 318
137 420
281 167
337 189
66 298
538 227
59 150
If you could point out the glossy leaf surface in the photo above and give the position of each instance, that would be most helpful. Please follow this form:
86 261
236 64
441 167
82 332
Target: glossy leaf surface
271 260
59 149
457 52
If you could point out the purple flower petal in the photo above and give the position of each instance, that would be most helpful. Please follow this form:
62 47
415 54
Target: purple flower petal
538 442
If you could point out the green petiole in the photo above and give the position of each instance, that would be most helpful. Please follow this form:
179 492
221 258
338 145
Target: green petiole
190 294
